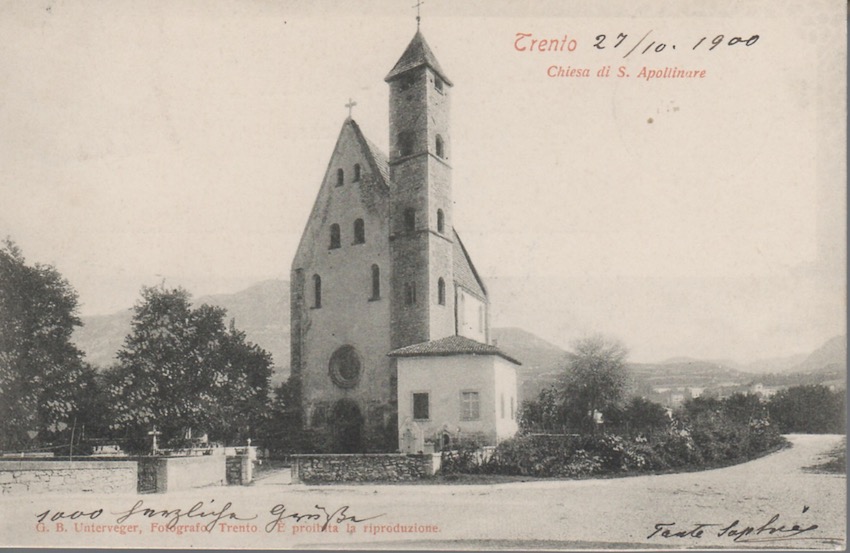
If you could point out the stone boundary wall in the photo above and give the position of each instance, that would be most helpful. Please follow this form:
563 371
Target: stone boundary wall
44 476
183 473
366 467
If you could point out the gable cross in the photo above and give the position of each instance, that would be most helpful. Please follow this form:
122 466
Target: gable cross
418 3
351 103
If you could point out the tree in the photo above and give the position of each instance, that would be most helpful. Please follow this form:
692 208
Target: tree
42 373
595 379
812 409
284 433
182 369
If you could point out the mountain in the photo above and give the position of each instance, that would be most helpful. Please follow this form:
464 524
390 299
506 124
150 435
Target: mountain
261 311
542 362
832 354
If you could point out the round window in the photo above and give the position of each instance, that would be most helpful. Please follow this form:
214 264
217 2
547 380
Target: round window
345 367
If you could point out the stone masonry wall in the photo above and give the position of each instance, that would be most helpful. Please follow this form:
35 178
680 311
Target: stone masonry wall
26 476
386 467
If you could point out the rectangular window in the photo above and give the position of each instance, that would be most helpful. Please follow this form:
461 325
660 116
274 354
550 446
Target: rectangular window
469 406
481 318
420 407
513 414
502 405
410 293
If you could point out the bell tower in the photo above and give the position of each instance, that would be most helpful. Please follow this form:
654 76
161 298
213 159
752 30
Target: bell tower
421 232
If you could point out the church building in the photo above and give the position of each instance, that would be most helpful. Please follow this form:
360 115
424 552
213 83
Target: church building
390 335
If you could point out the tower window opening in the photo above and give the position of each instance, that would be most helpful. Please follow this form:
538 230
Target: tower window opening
405 83
409 219
438 83
317 291
405 143
376 283
441 221
359 232
335 241
410 293
441 291
356 172
441 153
340 177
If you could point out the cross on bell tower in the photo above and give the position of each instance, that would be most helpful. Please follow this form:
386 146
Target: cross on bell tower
351 103
418 17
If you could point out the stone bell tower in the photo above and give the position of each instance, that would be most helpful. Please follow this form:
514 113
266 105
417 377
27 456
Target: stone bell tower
421 232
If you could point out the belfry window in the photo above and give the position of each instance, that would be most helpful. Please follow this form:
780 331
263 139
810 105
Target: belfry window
405 143
317 291
356 172
438 83
409 219
410 293
441 153
376 283
359 232
340 177
441 291
441 221
335 241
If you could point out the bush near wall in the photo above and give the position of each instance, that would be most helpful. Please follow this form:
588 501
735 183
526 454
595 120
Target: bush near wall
696 441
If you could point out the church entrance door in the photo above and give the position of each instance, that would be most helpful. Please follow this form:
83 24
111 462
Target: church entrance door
347 424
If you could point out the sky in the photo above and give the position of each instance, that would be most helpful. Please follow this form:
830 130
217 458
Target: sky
184 142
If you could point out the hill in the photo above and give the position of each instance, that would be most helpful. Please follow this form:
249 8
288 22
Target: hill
542 361
261 311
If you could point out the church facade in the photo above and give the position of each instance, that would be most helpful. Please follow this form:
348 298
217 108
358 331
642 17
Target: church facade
379 270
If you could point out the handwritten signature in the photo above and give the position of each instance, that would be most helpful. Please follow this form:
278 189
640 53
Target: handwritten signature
771 530
322 515
215 514
174 516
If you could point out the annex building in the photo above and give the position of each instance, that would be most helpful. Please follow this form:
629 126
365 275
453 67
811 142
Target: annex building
390 332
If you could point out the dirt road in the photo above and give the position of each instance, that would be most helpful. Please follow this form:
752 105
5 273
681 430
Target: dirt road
772 493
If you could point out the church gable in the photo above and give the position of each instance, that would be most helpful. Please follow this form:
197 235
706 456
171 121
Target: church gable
464 271
351 205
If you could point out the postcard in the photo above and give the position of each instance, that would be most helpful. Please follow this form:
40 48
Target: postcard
423 275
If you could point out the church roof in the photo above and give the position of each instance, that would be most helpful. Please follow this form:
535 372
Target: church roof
464 271
416 55
452 345
373 152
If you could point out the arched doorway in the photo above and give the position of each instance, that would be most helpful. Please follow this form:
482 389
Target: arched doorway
347 422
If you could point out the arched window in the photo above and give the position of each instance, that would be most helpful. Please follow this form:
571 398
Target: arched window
440 150
376 283
317 291
409 219
359 232
441 220
334 236
405 143
410 293
441 291
356 172
340 177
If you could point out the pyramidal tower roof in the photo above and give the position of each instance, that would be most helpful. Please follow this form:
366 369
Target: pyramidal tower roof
417 54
